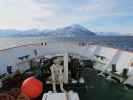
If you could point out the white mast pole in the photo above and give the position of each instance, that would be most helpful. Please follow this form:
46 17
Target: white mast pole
66 68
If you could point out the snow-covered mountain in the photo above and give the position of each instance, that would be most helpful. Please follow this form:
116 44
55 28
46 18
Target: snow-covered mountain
69 31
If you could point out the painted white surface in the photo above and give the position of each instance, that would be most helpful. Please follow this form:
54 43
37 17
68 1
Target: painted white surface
65 68
129 81
73 95
54 96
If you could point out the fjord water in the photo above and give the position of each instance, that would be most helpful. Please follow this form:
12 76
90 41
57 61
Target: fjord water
122 42
7 42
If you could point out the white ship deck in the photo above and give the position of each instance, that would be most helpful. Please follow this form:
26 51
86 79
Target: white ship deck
105 56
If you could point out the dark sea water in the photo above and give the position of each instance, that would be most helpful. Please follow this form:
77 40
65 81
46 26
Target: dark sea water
122 42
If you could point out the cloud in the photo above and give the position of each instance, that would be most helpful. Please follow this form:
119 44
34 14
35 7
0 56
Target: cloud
107 8
56 13
20 13
66 12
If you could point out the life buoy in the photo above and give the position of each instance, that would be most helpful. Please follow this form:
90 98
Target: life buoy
32 87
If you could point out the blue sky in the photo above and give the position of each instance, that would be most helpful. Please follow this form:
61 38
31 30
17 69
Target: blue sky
96 15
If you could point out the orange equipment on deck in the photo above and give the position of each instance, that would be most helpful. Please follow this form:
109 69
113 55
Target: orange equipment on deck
32 87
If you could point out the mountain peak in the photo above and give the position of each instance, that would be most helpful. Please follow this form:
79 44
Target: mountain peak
76 26
74 30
